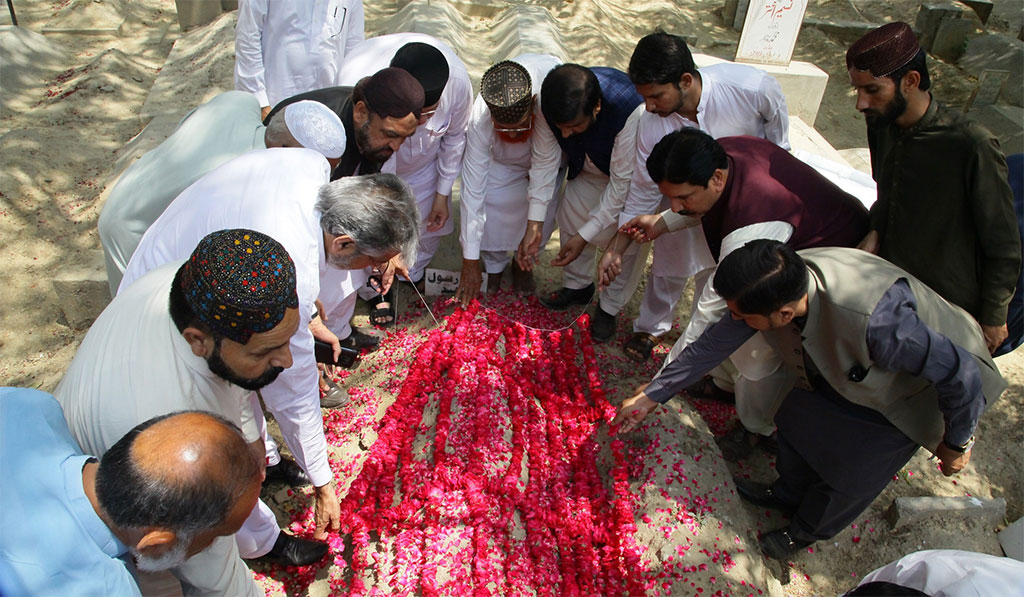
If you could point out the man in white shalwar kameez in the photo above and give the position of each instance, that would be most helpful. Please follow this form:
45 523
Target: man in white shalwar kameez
495 171
285 194
431 159
287 48
221 129
137 362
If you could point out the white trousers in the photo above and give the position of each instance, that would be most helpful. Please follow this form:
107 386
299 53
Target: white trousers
258 532
424 253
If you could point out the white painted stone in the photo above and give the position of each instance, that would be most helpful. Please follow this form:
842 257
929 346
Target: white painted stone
1012 540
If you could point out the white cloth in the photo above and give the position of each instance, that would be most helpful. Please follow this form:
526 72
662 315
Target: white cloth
272 191
287 48
134 365
493 199
954 573
221 129
736 99
431 159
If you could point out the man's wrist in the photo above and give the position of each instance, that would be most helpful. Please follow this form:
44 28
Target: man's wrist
959 448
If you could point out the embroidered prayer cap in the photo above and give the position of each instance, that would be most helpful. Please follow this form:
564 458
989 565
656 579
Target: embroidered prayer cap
507 91
428 65
393 92
239 283
885 50
317 127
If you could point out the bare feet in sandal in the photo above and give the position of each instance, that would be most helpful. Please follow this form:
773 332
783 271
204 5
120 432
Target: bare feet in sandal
640 345
383 313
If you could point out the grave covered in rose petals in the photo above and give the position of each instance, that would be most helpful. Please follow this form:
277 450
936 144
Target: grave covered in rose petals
485 477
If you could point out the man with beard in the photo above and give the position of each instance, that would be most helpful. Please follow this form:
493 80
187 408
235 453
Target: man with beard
380 112
945 209
163 493
203 335
353 223
495 172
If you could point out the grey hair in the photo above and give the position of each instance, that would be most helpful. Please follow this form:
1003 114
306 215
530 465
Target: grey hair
377 211
277 133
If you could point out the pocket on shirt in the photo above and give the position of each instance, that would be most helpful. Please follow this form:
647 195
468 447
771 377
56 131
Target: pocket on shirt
335 24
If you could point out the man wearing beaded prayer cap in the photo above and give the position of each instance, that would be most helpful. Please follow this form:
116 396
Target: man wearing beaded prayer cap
952 226
431 159
352 223
199 333
500 144
223 128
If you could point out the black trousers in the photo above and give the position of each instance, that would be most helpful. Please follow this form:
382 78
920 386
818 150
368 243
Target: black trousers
835 457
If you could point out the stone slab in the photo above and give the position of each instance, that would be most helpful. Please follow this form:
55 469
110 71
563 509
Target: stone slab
192 13
846 32
982 8
998 52
930 16
1005 122
951 38
910 510
802 83
82 290
740 15
1012 540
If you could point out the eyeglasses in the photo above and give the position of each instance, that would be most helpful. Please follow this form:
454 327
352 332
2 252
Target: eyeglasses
519 129
426 114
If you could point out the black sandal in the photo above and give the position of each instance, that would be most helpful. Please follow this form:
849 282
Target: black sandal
640 346
382 313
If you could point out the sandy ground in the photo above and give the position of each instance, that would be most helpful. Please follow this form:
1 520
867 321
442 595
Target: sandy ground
67 115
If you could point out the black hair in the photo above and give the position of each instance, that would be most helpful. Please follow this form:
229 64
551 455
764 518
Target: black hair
660 58
688 155
916 63
181 312
761 277
134 500
568 91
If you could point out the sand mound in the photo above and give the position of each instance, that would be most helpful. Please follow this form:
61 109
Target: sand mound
26 60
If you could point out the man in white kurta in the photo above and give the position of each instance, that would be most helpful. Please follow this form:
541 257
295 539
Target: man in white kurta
495 170
134 364
272 191
726 100
287 48
223 128
431 159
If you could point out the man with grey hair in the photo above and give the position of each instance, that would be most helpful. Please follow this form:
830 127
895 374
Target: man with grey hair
355 222
221 129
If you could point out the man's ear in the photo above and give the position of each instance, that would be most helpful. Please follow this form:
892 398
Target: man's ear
717 181
360 113
341 242
685 81
155 542
196 339
786 313
911 80
597 108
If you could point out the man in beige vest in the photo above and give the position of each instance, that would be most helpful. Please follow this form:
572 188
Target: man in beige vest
878 363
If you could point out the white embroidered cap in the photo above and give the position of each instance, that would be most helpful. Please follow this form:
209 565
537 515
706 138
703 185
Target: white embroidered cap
316 127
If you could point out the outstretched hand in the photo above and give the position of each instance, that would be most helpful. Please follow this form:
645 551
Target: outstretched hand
633 411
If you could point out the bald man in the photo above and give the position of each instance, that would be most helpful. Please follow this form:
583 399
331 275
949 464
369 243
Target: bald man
163 493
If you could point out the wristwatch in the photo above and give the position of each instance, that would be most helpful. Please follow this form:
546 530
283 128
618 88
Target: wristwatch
961 449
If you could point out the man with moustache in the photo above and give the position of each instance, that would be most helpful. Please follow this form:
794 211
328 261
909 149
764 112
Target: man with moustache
192 335
945 210
496 172
162 494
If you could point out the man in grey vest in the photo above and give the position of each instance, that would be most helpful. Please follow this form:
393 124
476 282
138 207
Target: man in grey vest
879 364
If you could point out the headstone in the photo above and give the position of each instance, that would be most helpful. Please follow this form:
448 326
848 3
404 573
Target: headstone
197 12
990 86
951 38
983 8
1012 540
909 510
928 19
998 52
1005 122
729 12
740 15
770 31
442 282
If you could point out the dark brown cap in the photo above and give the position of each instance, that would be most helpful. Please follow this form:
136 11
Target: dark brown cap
507 91
392 92
885 50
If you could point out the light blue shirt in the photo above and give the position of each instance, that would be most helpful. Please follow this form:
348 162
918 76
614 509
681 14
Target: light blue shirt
51 540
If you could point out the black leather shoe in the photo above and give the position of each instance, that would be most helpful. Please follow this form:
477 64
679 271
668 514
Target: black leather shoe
566 296
761 494
294 551
288 472
602 328
780 545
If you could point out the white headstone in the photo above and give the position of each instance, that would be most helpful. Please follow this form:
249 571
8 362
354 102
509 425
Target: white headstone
443 282
770 30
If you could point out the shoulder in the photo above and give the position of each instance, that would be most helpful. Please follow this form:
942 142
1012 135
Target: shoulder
736 76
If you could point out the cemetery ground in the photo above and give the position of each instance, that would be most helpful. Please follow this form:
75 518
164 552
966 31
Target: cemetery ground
66 120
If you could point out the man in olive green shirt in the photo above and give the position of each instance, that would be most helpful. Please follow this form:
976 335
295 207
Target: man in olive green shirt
945 210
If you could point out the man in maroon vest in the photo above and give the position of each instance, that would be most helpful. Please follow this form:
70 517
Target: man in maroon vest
741 189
